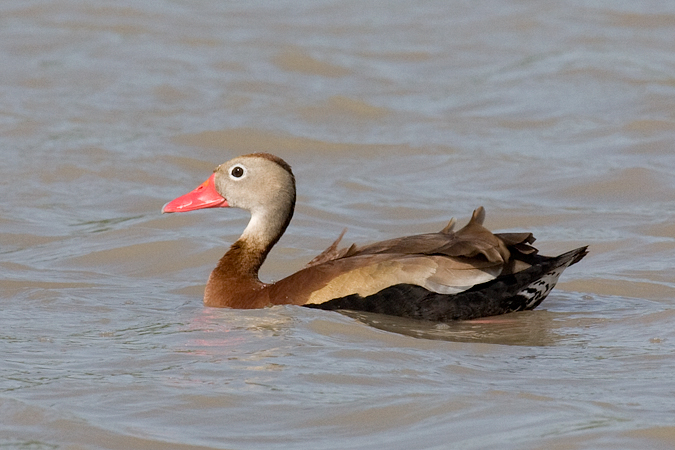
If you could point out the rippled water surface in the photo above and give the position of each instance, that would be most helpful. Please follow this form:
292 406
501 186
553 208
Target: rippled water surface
558 117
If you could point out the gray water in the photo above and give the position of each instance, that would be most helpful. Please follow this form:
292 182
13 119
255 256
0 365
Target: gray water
559 118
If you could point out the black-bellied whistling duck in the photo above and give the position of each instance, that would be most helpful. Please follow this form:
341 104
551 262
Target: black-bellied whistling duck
441 276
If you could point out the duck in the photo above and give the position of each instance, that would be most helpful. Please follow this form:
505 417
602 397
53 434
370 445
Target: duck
442 276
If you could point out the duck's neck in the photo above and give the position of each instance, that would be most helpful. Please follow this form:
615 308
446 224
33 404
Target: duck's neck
234 282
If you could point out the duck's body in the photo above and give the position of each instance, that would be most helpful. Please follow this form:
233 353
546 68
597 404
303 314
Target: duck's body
437 276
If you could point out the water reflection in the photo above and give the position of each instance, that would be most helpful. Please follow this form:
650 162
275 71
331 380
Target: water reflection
529 328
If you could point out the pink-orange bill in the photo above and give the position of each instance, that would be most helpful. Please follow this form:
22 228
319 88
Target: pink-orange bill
205 196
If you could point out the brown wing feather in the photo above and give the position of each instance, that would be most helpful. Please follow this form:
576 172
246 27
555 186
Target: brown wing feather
330 253
470 241
443 262
367 274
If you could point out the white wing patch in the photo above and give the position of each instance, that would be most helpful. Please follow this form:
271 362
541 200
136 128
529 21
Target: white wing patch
438 274
536 291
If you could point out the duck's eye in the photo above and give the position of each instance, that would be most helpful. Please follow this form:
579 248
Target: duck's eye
237 171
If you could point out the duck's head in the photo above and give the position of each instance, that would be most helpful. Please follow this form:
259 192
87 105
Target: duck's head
260 183
251 182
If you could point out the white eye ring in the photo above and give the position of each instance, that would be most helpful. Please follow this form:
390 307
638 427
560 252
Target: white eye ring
237 172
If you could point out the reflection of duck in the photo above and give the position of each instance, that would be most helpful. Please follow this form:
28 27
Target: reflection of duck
440 276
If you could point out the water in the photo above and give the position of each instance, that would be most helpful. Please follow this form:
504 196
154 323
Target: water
558 118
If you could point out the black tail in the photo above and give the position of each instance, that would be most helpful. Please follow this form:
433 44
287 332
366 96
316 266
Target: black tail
507 293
